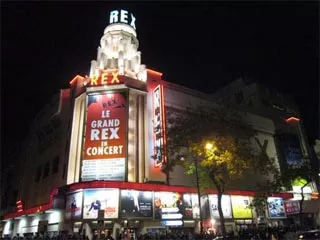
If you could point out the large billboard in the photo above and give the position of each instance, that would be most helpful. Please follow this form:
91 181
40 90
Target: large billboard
136 204
276 207
74 206
101 199
191 206
105 148
168 206
241 207
225 205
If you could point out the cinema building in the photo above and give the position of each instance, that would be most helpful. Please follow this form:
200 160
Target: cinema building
90 168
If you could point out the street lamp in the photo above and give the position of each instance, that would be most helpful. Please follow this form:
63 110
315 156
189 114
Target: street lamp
198 191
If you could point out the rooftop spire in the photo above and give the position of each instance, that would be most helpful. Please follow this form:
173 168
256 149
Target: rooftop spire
119 47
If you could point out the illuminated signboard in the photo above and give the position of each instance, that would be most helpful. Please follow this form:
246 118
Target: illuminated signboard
137 204
276 207
74 206
101 199
292 207
241 207
104 77
226 206
191 206
122 16
158 127
168 205
104 152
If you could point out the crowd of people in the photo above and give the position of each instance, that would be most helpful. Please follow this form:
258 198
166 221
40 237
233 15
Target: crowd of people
250 233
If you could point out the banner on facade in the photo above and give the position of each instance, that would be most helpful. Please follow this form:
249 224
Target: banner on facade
276 207
292 207
241 207
101 199
74 206
225 205
105 148
168 205
191 206
137 204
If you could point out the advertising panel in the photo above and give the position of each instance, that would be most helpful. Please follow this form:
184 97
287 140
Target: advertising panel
168 205
105 137
74 206
159 131
205 206
276 207
137 204
292 207
241 207
101 199
225 205
191 206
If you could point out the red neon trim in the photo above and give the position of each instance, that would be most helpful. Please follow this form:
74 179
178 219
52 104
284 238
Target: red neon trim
292 119
75 79
154 72
35 209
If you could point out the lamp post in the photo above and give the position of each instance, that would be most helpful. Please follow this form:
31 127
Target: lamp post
198 191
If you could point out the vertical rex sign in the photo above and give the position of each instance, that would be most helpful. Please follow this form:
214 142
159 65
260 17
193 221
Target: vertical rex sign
159 157
104 153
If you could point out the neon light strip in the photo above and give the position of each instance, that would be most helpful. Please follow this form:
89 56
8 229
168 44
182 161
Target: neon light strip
292 119
154 72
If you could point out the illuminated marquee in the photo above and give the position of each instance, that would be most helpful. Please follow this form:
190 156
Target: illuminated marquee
158 127
104 77
122 16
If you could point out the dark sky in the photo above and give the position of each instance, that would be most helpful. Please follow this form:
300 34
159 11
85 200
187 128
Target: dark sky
200 45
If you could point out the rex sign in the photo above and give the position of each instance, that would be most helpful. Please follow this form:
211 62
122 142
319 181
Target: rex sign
104 77
105 137
122 16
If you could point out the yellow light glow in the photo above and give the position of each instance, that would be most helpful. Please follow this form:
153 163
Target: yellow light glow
209 146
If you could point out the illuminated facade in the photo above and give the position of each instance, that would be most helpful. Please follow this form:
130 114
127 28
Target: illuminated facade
109 176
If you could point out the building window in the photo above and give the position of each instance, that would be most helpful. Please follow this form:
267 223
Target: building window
38 174
265 102
46 170
55 164
239 97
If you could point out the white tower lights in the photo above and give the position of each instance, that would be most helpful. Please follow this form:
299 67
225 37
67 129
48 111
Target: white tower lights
119 48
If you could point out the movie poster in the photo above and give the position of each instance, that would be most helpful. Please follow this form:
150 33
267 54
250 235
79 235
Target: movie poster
74 206
241 207
168 205
292 207
105 148
276 207
191 206
225 205
136 204
101 199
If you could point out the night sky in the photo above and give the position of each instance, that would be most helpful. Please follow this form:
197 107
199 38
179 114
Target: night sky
203 46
